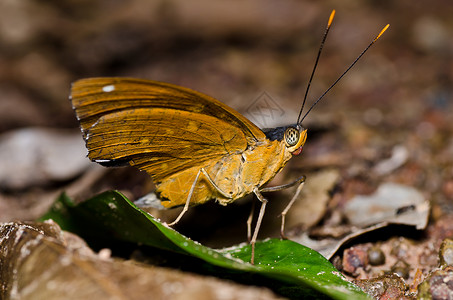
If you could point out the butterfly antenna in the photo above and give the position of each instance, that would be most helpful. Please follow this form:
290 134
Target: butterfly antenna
316 63
344 73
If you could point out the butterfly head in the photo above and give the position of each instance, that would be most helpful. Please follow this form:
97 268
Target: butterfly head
295 137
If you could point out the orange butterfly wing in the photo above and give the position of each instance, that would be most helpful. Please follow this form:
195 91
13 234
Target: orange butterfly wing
160 128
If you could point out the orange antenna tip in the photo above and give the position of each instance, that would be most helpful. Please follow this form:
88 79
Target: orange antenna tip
382 32
331 18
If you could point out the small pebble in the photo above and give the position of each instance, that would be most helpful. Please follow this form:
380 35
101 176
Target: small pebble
375 256
446 253
401 268
353 259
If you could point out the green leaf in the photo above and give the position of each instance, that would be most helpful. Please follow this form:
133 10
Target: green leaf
287 267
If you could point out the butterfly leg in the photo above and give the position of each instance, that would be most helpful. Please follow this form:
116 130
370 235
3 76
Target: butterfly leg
249 221
186 206
285 211
192 188
258 222
214 184
300 181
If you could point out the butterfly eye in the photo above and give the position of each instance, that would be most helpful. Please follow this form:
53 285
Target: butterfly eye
292 136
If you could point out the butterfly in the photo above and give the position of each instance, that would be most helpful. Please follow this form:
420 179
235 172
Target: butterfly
194 147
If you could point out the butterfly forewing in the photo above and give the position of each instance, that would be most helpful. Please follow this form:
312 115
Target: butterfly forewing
157 127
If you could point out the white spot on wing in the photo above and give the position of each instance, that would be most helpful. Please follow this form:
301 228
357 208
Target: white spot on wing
102 160
108 88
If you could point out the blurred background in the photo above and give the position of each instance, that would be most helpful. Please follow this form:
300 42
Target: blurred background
249 54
